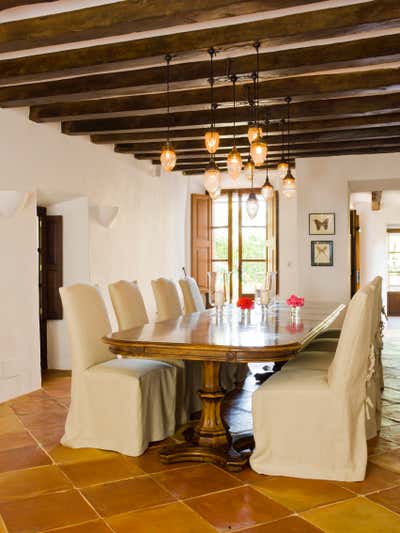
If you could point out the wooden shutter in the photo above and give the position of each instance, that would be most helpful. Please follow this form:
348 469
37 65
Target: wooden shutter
201 239
272 238
54 266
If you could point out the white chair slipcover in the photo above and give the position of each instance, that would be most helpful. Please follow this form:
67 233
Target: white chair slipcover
230 373
116 404
311 423
169 308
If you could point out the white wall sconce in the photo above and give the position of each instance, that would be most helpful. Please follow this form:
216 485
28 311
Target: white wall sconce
106 214
11 201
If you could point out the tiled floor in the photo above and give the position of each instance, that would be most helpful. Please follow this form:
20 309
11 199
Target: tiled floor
47 488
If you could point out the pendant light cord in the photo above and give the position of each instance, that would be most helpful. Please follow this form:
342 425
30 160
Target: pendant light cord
257 78
211 51
168 60
234 80
288 100
283 140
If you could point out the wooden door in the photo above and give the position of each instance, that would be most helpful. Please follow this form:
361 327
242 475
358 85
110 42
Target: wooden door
355 251
201 239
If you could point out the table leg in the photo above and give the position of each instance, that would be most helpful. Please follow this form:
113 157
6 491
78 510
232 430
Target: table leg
211 440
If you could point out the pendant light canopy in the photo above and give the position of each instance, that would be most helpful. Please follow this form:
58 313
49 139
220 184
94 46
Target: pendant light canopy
211 137
258 148
289 182
282 167
234 160
168 155
212 177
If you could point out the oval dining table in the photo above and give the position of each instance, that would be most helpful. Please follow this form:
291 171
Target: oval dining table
212 339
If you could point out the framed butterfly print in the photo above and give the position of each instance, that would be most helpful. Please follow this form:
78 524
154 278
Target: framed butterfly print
321 224
321 253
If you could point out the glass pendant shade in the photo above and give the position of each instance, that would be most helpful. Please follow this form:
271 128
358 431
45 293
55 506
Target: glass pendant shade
252 205
282 167
258 152
168 158
267 190
289 185
212 177
254 133
234 164
214 195
211 140
249 169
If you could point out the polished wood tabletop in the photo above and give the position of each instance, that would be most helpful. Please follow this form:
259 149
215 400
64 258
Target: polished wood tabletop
204 336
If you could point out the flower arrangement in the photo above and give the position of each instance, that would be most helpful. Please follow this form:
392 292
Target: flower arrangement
245 303
295 301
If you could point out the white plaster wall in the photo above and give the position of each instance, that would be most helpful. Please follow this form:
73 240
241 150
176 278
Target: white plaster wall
146 241
373 244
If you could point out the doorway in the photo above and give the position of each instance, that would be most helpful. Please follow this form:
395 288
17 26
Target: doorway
355 251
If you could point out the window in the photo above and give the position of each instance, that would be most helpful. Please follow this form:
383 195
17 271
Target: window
245 247
393 259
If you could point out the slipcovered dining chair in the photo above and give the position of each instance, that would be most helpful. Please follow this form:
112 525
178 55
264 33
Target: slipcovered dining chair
116 404
130 310
231 374
311 423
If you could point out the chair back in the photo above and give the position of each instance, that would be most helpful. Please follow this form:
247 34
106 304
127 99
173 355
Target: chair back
128 304
350 364
192 299
167 299
87 323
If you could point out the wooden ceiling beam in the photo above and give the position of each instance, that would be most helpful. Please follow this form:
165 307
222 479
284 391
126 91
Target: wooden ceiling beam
192 45
302 88
313 110
8 4
192 75
119 18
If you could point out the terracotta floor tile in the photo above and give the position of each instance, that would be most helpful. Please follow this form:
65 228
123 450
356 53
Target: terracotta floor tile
358 515
17 439
38 421
5 410
22 458
88 473
45 512
2 526
98 526
390 498
127 495
293 524
63 455
380 445
249 476
10 424
150 462
237 508
33 403
32 482
376 479
196 480
389 460
301 494
174 518
49 436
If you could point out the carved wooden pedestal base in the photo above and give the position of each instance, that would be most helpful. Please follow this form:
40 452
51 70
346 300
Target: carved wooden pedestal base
210 442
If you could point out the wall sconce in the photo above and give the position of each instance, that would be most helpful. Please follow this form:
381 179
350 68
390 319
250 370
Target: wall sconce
106 214
11 201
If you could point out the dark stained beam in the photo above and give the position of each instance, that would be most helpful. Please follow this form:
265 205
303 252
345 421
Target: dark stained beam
376 199
335 108
195 75
8 4
129 16
191 45
302 88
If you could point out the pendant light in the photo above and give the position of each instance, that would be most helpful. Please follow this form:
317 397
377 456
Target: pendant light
254 130
211 137
216 194
249 169
282 167
168 155
234 160
252 202
289 182
267 189
258 148
212 177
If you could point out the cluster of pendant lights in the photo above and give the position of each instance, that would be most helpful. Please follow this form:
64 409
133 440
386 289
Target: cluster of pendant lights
258 152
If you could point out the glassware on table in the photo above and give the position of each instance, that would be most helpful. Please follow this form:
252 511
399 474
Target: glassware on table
266 291
228 281
216 290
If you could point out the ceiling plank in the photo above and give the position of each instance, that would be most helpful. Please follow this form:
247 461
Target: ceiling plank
335 108
302 88
357 53
297 28
130 16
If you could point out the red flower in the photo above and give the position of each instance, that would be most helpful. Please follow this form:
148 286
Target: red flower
295 301
245 303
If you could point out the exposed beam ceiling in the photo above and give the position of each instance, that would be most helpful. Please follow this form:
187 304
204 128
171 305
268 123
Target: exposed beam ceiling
191 45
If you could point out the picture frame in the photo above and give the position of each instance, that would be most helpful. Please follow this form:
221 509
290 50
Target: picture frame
321 224
322 253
